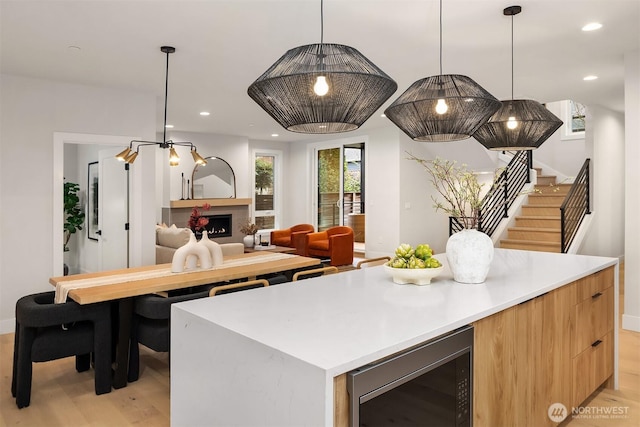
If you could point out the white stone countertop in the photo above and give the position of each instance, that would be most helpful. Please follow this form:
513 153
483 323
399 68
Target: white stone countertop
343 321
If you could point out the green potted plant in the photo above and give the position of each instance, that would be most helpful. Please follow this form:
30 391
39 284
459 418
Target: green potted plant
73 213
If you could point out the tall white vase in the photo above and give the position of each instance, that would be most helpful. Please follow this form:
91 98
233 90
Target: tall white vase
469 253
214 248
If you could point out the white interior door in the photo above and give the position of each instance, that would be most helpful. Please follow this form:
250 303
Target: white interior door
113 211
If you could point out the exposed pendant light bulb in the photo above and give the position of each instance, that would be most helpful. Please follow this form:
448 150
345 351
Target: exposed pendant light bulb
441 106
321 88
512 123
123 154
174 159
131 157
198 158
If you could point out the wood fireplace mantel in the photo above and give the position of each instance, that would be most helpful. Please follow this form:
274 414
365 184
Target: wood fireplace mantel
192 203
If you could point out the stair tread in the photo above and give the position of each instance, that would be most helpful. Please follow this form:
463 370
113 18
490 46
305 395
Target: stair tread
529 242
541 229
547 195
549 217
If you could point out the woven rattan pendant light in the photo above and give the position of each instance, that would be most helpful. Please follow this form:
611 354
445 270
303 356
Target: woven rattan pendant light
519 124
322 88
446 107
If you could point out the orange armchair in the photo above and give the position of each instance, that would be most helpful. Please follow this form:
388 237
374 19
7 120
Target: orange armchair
335 243
292 237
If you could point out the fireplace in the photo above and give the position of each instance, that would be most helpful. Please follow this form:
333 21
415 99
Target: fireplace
224 214
219 225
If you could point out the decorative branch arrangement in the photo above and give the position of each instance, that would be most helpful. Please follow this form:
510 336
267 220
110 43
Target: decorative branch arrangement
196 221
249 228
458 187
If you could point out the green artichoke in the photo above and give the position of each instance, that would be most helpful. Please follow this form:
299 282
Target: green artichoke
398 262
423 251
415 262
404 251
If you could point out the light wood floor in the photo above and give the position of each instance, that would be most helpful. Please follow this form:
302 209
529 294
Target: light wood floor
62 397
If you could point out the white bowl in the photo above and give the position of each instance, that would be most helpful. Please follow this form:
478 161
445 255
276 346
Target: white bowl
415 276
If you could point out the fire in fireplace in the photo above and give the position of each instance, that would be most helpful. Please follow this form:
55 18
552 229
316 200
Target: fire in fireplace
219 225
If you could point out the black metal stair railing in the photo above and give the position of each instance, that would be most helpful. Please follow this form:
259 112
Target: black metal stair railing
496 203
575 207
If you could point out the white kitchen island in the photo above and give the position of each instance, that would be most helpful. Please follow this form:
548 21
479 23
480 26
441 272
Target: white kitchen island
268 356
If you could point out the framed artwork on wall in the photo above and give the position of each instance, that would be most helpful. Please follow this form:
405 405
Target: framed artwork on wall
93 178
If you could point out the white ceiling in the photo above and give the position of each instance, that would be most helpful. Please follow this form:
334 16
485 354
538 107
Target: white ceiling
223 46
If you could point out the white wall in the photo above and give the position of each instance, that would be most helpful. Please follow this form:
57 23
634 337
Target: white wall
382 183
605 138
631 316
565 155
298 201
32 110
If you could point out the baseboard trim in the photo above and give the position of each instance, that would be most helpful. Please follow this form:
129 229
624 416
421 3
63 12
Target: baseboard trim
631 323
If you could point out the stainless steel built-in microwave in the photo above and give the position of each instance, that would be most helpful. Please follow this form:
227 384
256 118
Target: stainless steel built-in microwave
429 385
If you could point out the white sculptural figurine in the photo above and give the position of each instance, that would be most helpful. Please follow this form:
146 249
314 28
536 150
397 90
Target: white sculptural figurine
214 248
189 255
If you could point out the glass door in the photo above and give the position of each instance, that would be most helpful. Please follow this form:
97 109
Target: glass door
340 177
267 189
329 188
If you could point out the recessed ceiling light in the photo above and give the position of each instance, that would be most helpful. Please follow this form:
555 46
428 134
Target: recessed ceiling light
169 126
592 26
274 135
383 115
204 113
74 48
587 78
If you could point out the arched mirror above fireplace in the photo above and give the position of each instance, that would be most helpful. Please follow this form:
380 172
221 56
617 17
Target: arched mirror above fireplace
215 180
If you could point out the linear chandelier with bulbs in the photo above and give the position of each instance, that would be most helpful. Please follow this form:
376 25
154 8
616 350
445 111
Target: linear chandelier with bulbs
129 155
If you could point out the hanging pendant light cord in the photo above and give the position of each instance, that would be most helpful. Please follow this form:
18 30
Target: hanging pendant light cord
166 95
440 37
512 57
321 56
321 22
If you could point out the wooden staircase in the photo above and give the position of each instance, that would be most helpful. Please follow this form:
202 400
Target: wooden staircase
537 228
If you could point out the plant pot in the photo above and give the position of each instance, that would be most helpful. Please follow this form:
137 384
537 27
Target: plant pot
469 253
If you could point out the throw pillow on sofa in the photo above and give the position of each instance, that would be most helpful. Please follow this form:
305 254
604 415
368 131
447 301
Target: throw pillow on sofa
172 237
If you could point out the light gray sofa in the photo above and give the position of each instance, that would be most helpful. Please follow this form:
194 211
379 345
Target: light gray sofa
168 239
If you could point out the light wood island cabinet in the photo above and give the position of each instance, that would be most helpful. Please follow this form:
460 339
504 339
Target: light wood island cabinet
555 348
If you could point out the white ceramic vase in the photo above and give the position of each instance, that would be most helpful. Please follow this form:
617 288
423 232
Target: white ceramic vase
213 247
469 253
249 241
188 255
